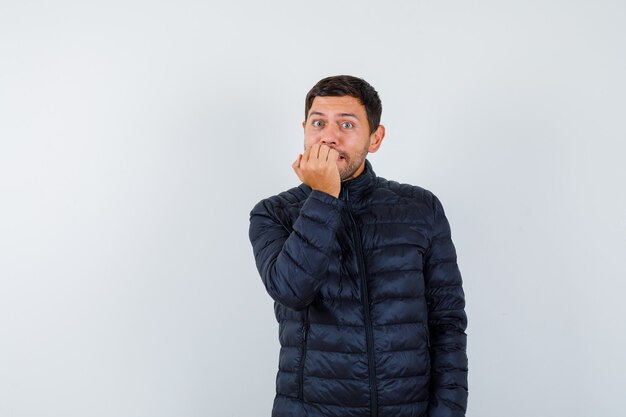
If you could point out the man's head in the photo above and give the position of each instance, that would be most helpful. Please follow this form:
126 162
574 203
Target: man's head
343 112
347 85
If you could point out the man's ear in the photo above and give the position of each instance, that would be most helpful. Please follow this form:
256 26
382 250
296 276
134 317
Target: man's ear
303 124
376 139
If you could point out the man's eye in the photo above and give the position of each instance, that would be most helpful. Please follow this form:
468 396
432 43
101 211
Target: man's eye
347 125
317 123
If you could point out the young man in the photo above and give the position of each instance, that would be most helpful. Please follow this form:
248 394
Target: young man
363 273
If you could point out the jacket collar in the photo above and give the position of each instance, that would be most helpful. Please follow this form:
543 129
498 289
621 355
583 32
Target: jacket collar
354 189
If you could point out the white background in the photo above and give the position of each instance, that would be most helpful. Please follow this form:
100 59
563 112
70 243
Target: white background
135 137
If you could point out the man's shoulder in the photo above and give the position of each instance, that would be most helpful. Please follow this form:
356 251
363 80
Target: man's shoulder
288 199
405 192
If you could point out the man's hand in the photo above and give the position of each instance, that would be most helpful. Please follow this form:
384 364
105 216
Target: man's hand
317 168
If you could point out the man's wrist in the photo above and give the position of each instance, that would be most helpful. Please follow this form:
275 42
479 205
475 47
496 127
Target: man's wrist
332 192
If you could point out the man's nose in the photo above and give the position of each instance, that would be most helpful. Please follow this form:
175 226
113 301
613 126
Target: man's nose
330 135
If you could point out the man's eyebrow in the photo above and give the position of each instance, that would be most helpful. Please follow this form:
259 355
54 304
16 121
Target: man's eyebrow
317 113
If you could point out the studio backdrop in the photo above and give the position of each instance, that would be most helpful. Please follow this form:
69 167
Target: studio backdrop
136 136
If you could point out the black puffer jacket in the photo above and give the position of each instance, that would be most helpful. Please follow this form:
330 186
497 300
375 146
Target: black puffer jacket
368 298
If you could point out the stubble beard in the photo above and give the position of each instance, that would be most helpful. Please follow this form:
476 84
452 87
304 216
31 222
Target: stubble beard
352 165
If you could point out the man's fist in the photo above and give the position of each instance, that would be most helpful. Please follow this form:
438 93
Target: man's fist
317 168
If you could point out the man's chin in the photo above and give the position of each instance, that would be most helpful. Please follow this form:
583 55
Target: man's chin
346 174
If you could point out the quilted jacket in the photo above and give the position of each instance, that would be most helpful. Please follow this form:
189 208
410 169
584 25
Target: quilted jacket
368 298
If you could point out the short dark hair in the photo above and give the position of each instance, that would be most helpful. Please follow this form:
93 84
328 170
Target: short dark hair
347 85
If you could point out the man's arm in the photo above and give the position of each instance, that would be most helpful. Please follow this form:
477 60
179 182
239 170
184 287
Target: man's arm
446 322
293 263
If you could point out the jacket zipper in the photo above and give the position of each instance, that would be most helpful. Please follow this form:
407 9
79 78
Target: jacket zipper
365 301
303 358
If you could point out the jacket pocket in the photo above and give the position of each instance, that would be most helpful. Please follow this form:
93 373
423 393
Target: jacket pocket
427 340
305 336
427 335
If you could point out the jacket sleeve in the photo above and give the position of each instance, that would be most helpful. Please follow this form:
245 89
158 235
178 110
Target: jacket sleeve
293 263
446 322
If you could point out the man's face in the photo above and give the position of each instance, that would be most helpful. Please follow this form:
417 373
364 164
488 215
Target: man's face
341 123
